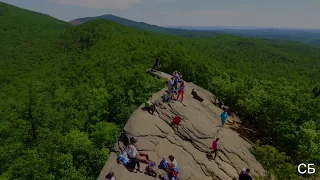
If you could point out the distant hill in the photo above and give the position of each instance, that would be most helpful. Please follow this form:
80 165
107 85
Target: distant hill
147 27
123 21
300 35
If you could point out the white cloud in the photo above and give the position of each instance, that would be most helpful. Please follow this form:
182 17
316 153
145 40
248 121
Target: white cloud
110 4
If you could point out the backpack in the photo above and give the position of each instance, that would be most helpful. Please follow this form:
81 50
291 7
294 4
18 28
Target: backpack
176 120
163 165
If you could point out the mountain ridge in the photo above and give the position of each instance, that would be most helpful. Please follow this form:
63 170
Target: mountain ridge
311 36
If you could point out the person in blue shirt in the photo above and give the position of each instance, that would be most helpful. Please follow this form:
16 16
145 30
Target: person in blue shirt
130 163
224 116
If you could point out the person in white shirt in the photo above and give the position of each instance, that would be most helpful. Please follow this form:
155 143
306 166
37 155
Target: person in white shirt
173 162
133 153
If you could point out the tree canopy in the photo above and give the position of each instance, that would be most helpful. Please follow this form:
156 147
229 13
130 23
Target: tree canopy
66 92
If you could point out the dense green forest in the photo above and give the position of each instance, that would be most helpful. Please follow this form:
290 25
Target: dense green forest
66 92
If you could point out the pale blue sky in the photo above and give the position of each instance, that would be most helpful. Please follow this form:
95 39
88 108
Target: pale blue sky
258 13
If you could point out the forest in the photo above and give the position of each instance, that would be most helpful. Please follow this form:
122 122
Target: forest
66 92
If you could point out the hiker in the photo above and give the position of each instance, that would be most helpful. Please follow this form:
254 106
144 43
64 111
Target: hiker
224 116
110 176
170 85
215 148
134 154
245 175
181 91
176 79
149 106
173 166
129 163
156 64
180 76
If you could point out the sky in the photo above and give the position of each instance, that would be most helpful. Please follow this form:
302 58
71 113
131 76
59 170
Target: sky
253 13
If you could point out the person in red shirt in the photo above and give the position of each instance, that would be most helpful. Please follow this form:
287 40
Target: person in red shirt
215 147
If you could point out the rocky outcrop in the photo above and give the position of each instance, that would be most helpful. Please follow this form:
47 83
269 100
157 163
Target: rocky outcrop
188 142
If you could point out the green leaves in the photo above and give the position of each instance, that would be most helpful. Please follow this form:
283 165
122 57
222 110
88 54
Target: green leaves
105 134
275 163
66 92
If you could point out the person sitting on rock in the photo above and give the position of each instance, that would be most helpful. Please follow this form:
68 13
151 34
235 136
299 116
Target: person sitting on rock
149 106
165 96
110 176
224 116
134 154
151 169
129 163
245 175
215 148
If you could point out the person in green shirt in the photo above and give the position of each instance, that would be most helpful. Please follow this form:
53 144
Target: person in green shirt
149 106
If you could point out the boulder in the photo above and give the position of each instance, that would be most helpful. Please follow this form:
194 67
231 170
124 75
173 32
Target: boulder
188 142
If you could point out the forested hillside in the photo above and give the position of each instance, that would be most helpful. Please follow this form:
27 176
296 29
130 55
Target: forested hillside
147 27
66 92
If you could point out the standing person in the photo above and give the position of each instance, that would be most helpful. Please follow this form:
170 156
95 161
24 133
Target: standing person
215 147
245 175
224 116
180 76
173 166
156 63
181 91
170 85
176 79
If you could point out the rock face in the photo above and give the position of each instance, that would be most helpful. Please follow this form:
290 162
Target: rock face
188 142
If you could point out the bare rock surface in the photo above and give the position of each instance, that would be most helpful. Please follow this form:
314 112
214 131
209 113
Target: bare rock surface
188 142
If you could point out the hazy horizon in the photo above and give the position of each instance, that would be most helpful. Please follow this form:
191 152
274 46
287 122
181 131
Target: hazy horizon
282 14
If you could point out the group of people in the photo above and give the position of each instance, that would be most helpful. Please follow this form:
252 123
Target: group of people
175 87
131 158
